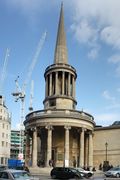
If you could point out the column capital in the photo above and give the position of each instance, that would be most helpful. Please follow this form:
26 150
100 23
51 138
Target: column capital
90 132
33 129
82 129
67 127
27 132
49 127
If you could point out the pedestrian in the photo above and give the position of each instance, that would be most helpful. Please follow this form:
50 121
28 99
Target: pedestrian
50 163
74 163
100 166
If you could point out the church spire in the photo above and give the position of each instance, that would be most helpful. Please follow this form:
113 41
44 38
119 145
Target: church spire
60 55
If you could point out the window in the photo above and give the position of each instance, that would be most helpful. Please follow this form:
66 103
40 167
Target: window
60 157
3 125
6 144
6 160
2 160
2 143
2 134
52 102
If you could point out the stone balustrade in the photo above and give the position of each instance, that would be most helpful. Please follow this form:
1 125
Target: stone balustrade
60 113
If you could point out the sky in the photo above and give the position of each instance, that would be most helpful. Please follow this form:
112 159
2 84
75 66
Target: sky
93 41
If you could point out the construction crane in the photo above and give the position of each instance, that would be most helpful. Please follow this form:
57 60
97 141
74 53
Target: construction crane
19 94
3 72
35 58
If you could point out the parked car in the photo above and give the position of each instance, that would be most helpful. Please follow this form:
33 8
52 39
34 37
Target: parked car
113 172
13 174
86 173
65 173
2 167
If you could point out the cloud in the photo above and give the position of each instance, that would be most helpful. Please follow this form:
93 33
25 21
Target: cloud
115 59
84 32
93 54
31 9
106 118
93 21
107 95
96 22
118 89
18 127
111 35
25 5
113 102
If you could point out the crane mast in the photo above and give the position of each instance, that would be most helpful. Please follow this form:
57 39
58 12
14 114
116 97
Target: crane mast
20 95
35 58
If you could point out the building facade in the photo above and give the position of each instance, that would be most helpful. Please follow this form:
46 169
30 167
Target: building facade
17 144
106 145
5 128
59 132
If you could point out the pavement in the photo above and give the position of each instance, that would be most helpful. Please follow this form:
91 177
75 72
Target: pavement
44 173
47 170
40 170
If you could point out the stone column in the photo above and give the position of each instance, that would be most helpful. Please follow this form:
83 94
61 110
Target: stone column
49 144
39 146
66 159
56 83
90 150
34 148
81 159
63 83
50 85
86 149
69 84
27 149
73 86
46 87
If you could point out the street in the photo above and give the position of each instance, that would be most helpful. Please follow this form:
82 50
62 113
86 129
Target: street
96 176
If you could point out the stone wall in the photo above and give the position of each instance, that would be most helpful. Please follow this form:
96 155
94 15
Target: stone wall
111 135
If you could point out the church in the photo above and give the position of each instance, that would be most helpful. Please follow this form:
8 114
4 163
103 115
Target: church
60 133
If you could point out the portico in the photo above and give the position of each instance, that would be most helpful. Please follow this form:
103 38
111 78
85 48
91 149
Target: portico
60 140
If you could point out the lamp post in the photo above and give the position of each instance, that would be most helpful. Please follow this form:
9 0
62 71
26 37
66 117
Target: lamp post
106 145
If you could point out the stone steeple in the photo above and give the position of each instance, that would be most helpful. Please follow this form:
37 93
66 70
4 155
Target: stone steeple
60 55
60 77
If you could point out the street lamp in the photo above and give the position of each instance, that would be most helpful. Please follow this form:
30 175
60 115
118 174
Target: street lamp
106 145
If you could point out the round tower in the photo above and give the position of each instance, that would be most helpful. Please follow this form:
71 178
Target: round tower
60 77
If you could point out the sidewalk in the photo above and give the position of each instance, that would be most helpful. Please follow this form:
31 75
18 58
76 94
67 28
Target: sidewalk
40 170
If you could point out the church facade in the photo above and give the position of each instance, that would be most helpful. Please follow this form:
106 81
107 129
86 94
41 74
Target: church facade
60 133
